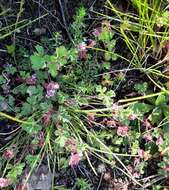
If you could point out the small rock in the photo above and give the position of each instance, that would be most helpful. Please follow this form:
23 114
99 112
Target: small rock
40 179
39 31
101 168
107 176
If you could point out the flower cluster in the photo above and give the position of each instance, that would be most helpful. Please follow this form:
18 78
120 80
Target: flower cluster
96 32
8 154
75 157
4 182
31 80
47 117
134 173
122 131
159 140
147 137
82 50
51 89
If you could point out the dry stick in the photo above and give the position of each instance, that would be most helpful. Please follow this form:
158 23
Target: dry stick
166 58
65 23
4 134
98 187
49 12
159 178
18 16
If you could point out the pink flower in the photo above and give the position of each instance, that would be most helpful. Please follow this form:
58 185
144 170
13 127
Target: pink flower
41 139
111 123
167 45
147 124
74 159
51 89
72 145
132 117
82 50
91 43
8 154
147 137
91 117
136 161
159 141
82 46
4 182
122 131
166 168
47 117
96 32
31 80
130 168
141 153
136 174
21 187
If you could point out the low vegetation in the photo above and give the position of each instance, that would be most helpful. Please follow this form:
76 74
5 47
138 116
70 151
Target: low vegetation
98 99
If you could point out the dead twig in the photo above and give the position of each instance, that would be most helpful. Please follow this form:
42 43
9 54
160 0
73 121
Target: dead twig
65 23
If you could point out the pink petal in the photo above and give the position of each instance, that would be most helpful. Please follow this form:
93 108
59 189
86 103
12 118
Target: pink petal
74 159
4 182
122 131
159 141
141 153
8 154
147 137
136 174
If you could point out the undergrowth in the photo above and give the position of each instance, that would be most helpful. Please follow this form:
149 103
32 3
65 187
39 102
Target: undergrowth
70 103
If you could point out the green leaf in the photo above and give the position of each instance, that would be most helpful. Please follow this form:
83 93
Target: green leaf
140 108
73 54
10 48
40 49
135 147
2 80
61 51
15 171
38 62
161 99
114 56
123 116
166 111
156 115
166 128
110 94
31 128
20 89
141 87
31 160
11 100
11 70
52 69
106 35
62 62
31 90
61 141
106 65
111 45
107 56
26 109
